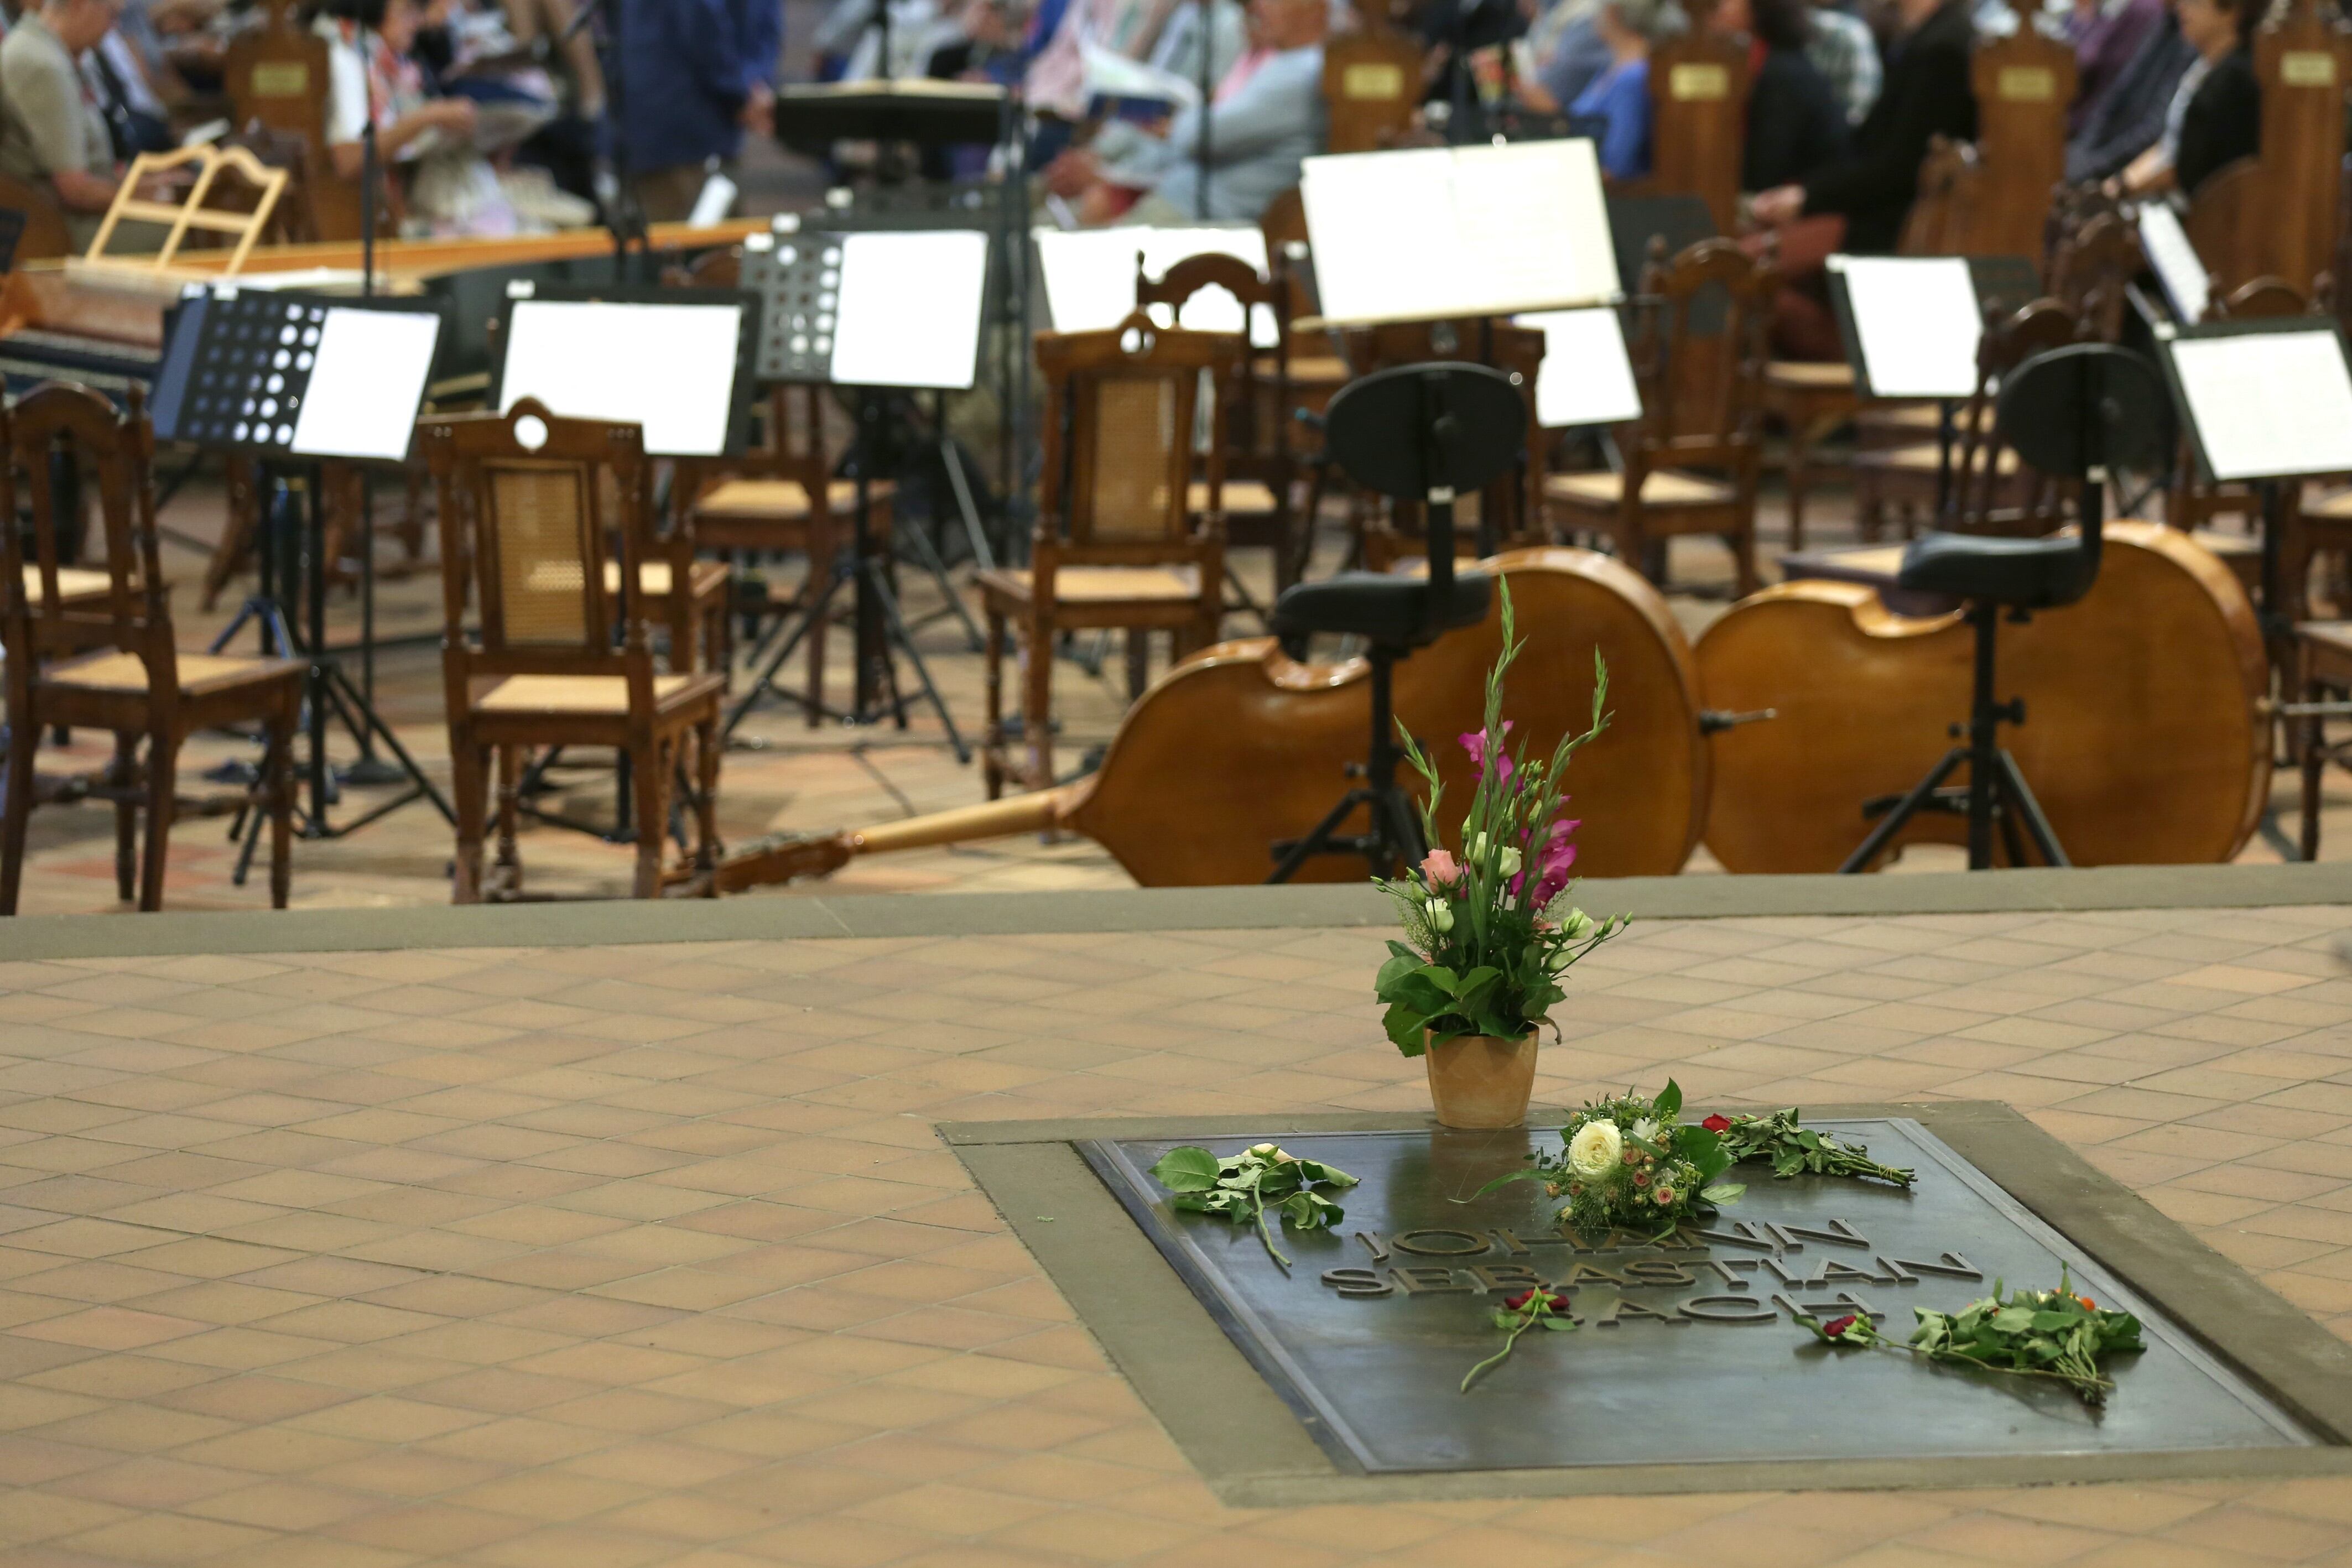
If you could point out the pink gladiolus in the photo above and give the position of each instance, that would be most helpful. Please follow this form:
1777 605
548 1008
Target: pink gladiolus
1474 743
1440 869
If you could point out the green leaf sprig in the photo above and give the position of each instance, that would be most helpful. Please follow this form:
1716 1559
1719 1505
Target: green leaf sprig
1650 1172
1243 1188
2030 1333
1794 1150
1514 1317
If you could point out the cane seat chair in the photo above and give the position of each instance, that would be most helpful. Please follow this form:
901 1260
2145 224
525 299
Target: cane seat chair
1125 539
95 650
1258 500
534 507
1692 458
1979 486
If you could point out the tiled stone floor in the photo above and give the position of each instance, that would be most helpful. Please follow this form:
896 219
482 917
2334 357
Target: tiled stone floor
649 1255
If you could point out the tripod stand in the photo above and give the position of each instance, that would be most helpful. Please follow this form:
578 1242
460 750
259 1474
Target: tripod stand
1419 433
2071 413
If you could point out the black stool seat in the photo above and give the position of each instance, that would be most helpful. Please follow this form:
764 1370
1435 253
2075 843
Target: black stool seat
2024 574
1387 612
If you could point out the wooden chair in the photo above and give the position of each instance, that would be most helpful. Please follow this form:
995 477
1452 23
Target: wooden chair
2225 224
2321 670
2024 83
277 75
1986 489
1701 410
526 531
1809 398
1125 537
1699 115
1259 501
1371 87
80 659
2302 58
2091 271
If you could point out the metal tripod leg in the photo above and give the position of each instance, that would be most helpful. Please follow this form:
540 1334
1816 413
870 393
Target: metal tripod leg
984 555
763 679
931 563
896 631
1900 818
2021 801
1319 838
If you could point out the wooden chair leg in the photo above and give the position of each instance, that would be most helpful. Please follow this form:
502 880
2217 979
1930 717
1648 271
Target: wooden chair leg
991 742
122 775
1139 661
162 773
1795 470
469 798
1743 555
1037 704
651 771
277 774
17 807
820 577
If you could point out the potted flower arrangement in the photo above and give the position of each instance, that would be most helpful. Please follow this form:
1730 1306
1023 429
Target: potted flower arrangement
1489 928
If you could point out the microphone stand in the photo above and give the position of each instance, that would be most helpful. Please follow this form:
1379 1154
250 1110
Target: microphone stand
369 769
1201 143
625 218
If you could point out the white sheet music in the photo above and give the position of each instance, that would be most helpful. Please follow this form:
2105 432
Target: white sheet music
1587 376
910 308
367 383
668 367
2268 404
2177 266
1918 323
1468 231
1090 276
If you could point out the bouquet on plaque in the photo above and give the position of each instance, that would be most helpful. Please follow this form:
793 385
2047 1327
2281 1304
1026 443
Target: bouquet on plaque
1627 1162
1489 926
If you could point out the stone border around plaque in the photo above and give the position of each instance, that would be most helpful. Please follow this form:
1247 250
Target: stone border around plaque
1335 1382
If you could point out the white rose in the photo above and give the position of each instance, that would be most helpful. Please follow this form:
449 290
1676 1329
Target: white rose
1596 1149
1510 866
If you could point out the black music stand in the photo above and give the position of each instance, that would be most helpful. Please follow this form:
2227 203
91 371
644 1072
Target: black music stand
1420 433
2080 412
296 380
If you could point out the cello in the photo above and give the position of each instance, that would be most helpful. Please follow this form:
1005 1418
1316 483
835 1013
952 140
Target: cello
1242 746
2147 737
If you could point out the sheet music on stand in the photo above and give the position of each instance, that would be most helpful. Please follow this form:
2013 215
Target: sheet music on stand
1587 376
1089 276
2180 271
1911 324
296 375
878 307
1428 233
2263 400
675 361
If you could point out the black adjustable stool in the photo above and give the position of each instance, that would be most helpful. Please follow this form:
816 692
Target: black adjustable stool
1417 433
2074 413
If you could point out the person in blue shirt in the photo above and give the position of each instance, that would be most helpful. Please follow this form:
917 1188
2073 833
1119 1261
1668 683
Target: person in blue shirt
692 77
1614 106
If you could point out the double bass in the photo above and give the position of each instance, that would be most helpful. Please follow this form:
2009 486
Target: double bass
1242 746
2147 737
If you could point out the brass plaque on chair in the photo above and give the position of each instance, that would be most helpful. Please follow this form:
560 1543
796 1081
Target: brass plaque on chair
1699 82
281 79
2307 68
1372 79
2026 84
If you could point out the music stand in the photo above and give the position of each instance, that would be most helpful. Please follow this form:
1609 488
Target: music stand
677 362
2180 271
297 381
1419 433
2267 403
872 310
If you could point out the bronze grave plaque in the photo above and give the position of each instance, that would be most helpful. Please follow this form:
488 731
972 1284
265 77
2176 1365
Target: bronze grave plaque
1687 1350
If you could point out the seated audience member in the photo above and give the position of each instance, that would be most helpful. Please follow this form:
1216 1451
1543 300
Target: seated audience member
2106 35
1845 51
52 134
2216 115
2129 118
1266 118
1566 55
1614 106
1794 125
1927 95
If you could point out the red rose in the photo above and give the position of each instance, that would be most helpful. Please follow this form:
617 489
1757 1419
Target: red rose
1718 1124
1837 1327
1518 1302
1560 1303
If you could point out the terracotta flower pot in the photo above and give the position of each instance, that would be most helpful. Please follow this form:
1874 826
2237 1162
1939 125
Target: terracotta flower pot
1479 1081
